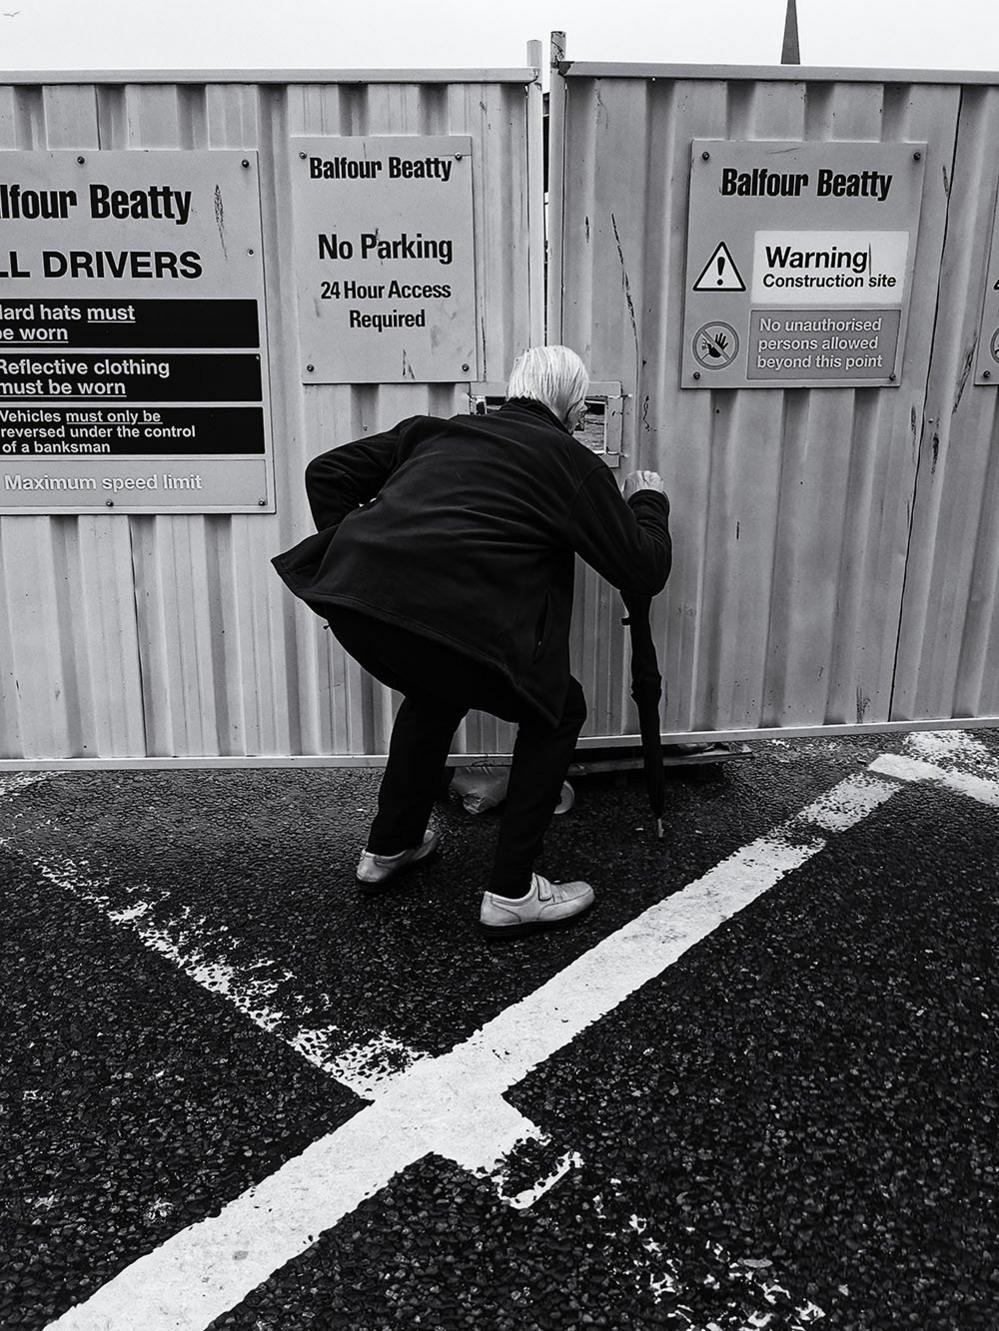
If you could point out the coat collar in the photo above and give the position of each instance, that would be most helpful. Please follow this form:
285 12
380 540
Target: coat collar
536 408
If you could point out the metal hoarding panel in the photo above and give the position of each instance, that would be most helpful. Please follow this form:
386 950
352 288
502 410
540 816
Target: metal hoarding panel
790 506
948 658
163 636
813 74
267 77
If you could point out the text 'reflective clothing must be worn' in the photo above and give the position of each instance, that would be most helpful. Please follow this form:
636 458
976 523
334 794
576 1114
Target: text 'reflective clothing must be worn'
465 531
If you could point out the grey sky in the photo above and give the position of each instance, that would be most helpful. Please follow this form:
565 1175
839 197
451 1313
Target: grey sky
208 34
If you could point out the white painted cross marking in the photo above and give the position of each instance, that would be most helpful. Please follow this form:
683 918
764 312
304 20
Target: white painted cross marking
452 1105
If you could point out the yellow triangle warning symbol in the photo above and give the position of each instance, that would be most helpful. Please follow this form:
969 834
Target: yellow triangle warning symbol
720 273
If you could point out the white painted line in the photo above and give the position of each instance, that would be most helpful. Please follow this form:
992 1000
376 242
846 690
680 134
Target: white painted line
849 802
209 1267
12 782
979 788
197 948
522 1200
665 1275
950 748
364 1068
523 1036
658 1274
451 1105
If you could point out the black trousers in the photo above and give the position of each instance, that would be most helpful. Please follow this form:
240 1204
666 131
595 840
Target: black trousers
439 686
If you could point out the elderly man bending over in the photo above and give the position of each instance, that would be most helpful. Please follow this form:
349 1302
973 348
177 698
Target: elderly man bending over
444 564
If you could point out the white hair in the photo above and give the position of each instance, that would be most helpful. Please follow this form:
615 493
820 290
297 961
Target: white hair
552 375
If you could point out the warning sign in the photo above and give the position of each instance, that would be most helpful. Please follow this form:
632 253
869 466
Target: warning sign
720 273
799 262
133 350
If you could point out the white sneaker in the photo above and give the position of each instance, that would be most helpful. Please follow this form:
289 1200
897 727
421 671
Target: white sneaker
546 906
373 871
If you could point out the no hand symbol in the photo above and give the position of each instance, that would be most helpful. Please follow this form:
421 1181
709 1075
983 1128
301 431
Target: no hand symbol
715 346
720 273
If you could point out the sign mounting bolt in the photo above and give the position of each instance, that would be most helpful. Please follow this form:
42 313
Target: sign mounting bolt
891 378
310 368
696 374
465 369
81 160
109 503
261 503
986 374
917 157
302 155
246 161
705 157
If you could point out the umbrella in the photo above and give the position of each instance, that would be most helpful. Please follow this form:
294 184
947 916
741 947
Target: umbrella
646 689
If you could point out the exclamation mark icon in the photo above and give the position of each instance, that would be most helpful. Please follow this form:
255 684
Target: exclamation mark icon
720 273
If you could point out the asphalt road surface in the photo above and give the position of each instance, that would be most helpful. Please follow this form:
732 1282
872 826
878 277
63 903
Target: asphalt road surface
755 1088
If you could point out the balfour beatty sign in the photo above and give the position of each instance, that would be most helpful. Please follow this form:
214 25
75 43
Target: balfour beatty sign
837 184
799 259
133 372
384 264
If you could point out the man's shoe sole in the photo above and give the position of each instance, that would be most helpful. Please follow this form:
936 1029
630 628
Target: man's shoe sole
387 884
500 931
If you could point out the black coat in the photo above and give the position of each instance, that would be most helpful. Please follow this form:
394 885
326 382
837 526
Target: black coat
466 529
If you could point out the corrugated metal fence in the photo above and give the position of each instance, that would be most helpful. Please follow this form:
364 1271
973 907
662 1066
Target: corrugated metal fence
835 549
165 637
